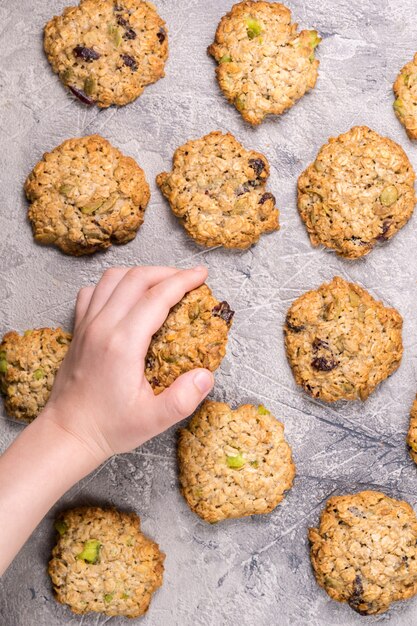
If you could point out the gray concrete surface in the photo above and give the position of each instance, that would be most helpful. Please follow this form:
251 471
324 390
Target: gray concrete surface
254 571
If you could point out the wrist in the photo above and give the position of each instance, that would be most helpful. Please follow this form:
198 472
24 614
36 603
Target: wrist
85 456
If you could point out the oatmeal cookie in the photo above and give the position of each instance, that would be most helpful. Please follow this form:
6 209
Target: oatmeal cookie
103 563
358 192
86 195
264 64
217 189
405 105
107 51
340 342
364 551
412 432
28 365
193 335
233 463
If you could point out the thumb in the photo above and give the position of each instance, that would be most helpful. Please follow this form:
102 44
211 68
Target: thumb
182 397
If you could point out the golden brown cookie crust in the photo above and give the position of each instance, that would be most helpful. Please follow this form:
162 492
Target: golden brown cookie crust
364 551
193 335
120 575
265 65
233 463
412 432
217 189
107 51
405 90
340 342
358 192
28 365
86 195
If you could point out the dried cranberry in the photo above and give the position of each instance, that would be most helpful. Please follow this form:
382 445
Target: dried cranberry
224 311
129 62
81 96
161 35
129 32
322 364
356 598
267 196
293 327
257 165
385 228
86 54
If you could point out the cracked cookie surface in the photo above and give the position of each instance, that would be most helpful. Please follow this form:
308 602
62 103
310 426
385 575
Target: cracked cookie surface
358 192
405 105
233 463
364 551
412 432
340 342
264 64
28 365
193 335
103 563
107 51
217 189
86 195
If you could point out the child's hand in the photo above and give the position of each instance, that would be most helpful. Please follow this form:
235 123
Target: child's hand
101 395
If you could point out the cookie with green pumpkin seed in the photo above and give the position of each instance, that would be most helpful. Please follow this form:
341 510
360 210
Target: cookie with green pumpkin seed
107 51
28 365
233 463
364 551
86 195
405 105
264 64
359 191
103 563
341 343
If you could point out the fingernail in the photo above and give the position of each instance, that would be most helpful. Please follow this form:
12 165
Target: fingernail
203 380
200 268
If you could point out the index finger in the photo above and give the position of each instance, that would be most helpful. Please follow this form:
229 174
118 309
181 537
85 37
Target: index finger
148 315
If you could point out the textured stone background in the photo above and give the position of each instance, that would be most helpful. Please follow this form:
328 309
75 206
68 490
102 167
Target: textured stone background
254 571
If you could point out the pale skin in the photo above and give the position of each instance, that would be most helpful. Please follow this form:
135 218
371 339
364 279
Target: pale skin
101 403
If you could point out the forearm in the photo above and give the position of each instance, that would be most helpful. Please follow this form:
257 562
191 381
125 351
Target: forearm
35 471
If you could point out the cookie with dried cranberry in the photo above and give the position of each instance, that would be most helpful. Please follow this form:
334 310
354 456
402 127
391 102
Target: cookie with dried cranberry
193 335
264 64
28 365
107 51
217 190
233 463
359 191
86 195
364 551
412 432
405 105
103 563
340 342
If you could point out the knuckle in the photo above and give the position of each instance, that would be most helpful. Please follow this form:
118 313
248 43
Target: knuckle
112 272
150 296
